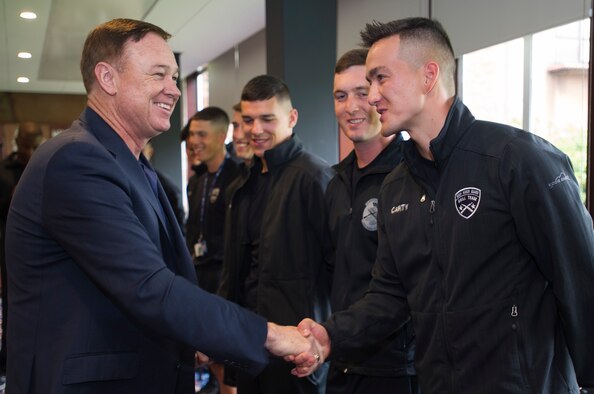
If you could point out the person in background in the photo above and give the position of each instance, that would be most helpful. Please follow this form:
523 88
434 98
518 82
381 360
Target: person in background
276 249
103 292
352 198
28 138
171 190
206 134
483 238
243 149
191 154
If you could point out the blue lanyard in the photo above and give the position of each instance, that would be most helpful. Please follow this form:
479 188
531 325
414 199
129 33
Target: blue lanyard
205 193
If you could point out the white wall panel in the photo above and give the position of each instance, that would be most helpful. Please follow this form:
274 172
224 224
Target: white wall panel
227 74
476 24
354 14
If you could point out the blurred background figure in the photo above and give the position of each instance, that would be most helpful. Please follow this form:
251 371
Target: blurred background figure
28 137
243 149
205 134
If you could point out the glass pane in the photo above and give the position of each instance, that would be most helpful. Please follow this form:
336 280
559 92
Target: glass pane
492 87
492 82
202 91
559 108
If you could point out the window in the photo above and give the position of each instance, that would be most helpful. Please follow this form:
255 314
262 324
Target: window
538 83
202 96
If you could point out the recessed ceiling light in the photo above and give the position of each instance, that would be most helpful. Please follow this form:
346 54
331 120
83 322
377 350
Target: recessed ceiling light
28 15
23 79
24 55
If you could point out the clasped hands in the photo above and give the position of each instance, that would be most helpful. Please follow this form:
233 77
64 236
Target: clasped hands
307 345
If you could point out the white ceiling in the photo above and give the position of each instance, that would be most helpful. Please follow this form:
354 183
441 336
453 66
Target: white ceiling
201 29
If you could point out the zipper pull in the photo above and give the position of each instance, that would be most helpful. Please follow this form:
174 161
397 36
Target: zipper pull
514 311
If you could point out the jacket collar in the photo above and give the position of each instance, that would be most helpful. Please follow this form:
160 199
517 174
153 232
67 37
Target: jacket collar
105 134
457 123
283 152
387 159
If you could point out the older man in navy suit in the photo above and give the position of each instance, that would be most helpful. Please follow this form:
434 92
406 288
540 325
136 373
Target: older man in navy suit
103 294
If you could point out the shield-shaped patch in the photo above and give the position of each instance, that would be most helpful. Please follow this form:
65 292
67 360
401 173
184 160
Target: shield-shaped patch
467 201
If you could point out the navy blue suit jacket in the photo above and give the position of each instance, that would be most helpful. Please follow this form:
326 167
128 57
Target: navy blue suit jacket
103 294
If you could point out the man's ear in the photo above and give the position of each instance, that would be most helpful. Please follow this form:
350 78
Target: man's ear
106 77
293 116
222 136
431 75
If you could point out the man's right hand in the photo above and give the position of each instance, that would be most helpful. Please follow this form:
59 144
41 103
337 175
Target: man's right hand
307 362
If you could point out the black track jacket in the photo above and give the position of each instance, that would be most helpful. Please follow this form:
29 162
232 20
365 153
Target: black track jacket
294 253
352 213
494 260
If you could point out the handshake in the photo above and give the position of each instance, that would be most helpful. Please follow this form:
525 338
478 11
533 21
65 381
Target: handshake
307 345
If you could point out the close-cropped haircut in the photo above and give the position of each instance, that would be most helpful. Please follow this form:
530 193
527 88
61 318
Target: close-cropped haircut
415 28
265 87
106 42
415 33
237 107
354 57
214 115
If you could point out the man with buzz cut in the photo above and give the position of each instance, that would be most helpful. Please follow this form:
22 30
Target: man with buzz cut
205 135
276 254
352 198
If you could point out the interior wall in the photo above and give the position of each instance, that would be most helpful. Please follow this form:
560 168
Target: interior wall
228 73
55 110
222 80
354 14
252 61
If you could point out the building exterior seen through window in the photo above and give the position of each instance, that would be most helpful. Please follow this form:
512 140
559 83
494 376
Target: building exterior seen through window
538 83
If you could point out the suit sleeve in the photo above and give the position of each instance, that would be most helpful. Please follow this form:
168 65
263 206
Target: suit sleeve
89 208
556 229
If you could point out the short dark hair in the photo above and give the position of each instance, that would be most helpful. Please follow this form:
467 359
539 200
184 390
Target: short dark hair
106 43
417 32
354 57
265 87
423 29
212 114
237 107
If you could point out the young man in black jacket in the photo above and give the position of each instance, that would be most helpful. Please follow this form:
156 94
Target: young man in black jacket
483 238
276 253
352 198
205 135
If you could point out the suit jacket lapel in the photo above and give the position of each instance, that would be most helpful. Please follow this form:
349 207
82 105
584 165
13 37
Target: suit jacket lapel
159 205
131 167
177 238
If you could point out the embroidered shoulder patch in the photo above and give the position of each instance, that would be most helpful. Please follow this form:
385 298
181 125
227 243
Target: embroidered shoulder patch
467 201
